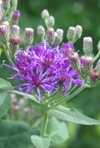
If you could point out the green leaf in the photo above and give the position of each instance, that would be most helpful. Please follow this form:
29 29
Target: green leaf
57 131
5 103
72 115
5 84
40 142
32 97
16 134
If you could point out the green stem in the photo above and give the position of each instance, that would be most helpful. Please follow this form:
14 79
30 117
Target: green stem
70 96
6 48
45 121
97 56
54 97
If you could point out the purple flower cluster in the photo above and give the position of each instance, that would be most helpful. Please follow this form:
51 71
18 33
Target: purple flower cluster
45 69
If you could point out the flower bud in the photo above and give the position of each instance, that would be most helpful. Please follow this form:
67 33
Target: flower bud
71 34
78 30
67 48
14 44
4 33
28 37
15 30
86 64
50 35
50 22
14 39
8 27
45 14
86 61
94 74
87 45
5 23
74 57
3 29
60 32
41 31
15 17
58 36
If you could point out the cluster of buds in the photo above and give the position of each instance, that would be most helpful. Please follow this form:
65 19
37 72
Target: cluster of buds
50 35
9 29
84 64
74 33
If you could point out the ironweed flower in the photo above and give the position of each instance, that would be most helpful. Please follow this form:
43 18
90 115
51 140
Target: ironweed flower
44 69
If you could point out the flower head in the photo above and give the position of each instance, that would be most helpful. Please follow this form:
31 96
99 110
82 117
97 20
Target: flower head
44 69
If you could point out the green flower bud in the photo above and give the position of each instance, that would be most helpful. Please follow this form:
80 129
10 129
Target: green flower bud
58 36
15 30
28 37
71 34
45 14
41 32
78 30
86 64
50 35
87 45
50 22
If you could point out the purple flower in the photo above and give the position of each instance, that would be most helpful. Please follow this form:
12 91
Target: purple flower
44 69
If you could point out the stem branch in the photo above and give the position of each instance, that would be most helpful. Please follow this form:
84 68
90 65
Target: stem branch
71 96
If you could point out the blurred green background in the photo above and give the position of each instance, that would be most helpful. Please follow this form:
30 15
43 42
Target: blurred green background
71 13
